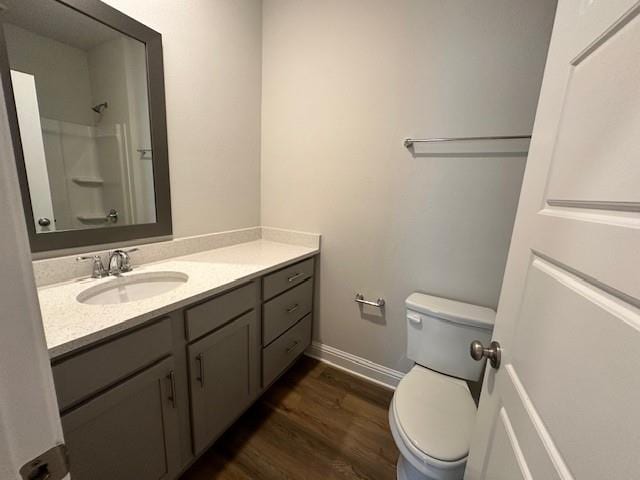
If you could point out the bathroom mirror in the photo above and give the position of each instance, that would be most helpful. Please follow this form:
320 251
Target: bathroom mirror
84 90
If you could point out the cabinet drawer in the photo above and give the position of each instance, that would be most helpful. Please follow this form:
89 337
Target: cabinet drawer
284 311
86 373
213 313
286 278
279 355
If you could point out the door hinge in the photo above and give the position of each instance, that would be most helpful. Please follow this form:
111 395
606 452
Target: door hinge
51 465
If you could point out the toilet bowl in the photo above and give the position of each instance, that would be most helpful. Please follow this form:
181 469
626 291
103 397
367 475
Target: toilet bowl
432 413
431 419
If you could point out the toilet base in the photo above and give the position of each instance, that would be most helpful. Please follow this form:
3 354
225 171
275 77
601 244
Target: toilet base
406 471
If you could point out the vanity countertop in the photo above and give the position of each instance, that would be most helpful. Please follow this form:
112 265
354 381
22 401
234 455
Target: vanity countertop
69 324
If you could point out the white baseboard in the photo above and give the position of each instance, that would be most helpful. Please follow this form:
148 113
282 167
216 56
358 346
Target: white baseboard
355 365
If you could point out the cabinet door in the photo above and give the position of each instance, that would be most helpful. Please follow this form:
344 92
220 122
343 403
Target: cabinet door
129 432
223 373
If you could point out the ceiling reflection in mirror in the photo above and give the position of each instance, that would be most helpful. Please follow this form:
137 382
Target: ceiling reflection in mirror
80 91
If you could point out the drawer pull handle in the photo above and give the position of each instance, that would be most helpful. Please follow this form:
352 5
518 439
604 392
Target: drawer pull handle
294 277
292 347
200 376
293 308
172 385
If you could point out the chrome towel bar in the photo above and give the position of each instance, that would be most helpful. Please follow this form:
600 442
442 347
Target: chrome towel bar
378 303
408 142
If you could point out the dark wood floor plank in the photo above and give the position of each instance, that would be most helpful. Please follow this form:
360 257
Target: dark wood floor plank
315 423
353 423
357 386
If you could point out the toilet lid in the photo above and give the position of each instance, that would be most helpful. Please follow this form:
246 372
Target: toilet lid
436 413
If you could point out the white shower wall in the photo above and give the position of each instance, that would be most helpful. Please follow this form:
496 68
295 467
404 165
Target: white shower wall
71 150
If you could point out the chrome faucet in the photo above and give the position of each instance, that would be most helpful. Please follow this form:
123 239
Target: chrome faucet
119 261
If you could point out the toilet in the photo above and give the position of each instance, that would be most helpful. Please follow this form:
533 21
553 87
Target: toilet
432 413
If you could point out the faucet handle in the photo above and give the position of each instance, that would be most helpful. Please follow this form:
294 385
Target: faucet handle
98 268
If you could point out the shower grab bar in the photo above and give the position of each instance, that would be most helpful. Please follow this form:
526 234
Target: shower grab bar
378 303
408 142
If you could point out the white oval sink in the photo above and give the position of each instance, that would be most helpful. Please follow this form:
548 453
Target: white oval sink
130 288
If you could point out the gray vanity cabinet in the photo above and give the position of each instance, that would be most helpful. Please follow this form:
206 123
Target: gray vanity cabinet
143 404
130 432
223 372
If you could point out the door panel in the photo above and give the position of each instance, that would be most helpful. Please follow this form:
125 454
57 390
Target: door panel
542 457
590 242
564 402
592 160
127 433
223 372
566 319
504 440
593 19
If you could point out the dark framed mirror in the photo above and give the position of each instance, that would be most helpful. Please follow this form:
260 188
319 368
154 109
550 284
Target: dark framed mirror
84 90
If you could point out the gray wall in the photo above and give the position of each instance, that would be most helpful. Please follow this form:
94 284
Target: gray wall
212 66
343 83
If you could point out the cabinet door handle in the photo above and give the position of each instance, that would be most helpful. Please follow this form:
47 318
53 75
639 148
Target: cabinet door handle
200 376
292 308
292 346
294 277
172 385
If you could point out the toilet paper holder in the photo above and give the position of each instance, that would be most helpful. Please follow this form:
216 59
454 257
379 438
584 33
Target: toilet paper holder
380 303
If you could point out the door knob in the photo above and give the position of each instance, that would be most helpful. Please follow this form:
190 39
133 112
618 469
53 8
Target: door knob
44 222
493 353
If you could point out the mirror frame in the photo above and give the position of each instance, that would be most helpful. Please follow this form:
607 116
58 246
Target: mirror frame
117 20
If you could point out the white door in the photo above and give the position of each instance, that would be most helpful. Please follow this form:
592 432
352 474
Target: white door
565 403
25 95
29 419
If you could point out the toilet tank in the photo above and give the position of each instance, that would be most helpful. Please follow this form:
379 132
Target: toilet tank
439 332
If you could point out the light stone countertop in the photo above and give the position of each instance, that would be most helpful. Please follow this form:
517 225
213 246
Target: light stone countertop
69 324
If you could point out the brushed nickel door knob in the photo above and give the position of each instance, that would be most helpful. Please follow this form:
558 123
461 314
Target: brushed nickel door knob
493 353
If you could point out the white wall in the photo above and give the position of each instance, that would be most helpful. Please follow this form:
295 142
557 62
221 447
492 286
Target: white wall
212 67
61 72
343 83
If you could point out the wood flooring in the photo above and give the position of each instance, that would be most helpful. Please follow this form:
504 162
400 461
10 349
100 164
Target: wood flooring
316 423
